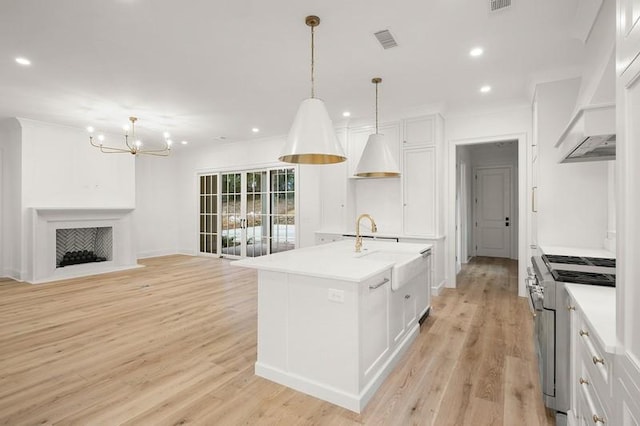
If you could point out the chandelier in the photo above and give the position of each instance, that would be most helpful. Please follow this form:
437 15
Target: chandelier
133 145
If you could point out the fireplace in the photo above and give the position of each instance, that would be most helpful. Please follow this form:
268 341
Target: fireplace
75 246
106 232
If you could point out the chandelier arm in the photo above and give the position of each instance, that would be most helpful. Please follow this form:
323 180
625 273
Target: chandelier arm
153 150
112 150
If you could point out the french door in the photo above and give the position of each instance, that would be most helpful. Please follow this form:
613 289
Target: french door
255 212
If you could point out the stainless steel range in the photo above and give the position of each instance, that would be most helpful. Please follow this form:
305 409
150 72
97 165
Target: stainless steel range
548 304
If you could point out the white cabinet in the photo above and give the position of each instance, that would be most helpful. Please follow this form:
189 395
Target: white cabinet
591 375
628 40
373 324
419 131
419 191
410 302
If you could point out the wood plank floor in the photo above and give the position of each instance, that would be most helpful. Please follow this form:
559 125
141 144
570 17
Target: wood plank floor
174 343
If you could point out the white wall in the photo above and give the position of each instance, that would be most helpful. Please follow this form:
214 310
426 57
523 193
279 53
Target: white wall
489 126
155 221
10 195
572 198
61 169
254 154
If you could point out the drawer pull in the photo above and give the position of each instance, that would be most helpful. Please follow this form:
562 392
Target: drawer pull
407 296
597 419
373 287
584 333
571 308
583 381
597 360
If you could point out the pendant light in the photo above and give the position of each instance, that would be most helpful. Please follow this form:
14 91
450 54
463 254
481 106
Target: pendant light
377 160
312 139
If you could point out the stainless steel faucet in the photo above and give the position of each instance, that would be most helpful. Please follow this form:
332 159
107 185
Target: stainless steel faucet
374 228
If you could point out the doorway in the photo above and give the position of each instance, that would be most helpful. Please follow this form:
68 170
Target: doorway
487 191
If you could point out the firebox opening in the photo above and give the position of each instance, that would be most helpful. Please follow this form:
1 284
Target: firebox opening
83 245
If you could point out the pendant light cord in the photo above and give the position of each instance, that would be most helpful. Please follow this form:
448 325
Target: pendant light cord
313 93
376 108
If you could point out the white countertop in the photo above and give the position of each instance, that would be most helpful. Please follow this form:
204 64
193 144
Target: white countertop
598 305
337 260
577 251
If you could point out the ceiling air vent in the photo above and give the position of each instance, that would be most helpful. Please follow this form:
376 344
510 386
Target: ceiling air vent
386 39
495 5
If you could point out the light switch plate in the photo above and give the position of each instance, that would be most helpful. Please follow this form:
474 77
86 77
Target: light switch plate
336 295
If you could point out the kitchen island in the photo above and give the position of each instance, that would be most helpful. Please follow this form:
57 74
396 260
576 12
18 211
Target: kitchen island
333 323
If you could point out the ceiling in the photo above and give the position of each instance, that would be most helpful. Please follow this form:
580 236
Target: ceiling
202 69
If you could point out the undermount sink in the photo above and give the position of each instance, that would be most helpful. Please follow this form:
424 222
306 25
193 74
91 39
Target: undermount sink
405 265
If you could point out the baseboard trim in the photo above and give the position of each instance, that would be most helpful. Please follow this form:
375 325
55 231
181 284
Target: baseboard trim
13 274
437 289
157 253
348 400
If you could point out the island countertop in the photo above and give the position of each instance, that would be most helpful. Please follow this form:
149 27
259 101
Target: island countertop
337 260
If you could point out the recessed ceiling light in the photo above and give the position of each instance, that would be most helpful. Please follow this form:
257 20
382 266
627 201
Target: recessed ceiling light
476 51
23 61
255 130
184 142
346 114
485 89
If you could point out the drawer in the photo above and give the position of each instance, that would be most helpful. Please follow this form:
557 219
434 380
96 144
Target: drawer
593 407
590 350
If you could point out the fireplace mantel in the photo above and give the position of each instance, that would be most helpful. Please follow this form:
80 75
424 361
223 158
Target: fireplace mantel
45 222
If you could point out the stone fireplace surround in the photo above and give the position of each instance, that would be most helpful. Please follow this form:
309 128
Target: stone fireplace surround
46 221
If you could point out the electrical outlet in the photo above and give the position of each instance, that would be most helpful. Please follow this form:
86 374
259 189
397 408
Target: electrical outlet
336 295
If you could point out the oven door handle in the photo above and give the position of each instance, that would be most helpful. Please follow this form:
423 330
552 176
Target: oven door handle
532 306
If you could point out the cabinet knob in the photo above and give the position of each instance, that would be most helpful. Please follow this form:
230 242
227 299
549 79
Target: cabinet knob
407 296
597 419
584 333
583 381
597 360
571 308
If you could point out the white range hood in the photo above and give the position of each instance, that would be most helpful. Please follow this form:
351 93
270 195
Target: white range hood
590 135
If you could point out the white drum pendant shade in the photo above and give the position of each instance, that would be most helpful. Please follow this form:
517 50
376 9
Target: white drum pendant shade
376 159
312 139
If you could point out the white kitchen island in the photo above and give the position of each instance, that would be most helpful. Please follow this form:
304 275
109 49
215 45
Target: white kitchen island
333 323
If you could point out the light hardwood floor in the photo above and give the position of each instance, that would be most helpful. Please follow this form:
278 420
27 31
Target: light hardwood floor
175 343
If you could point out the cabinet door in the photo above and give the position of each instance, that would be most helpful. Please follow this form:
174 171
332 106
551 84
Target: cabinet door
410 307
334 191
396 317
628 43
375 315
420 131
419 191
423 288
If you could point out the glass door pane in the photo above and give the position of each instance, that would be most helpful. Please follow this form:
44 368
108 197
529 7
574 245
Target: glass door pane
208 213
282 210
256 225
231 214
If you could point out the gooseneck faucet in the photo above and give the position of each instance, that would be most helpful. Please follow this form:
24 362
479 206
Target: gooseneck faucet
374 228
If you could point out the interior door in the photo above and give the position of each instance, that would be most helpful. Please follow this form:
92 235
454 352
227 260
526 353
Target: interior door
493 212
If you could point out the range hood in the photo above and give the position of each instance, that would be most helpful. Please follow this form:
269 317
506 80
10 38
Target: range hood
590 135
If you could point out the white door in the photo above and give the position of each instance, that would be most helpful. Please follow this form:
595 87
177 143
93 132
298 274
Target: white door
493 212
